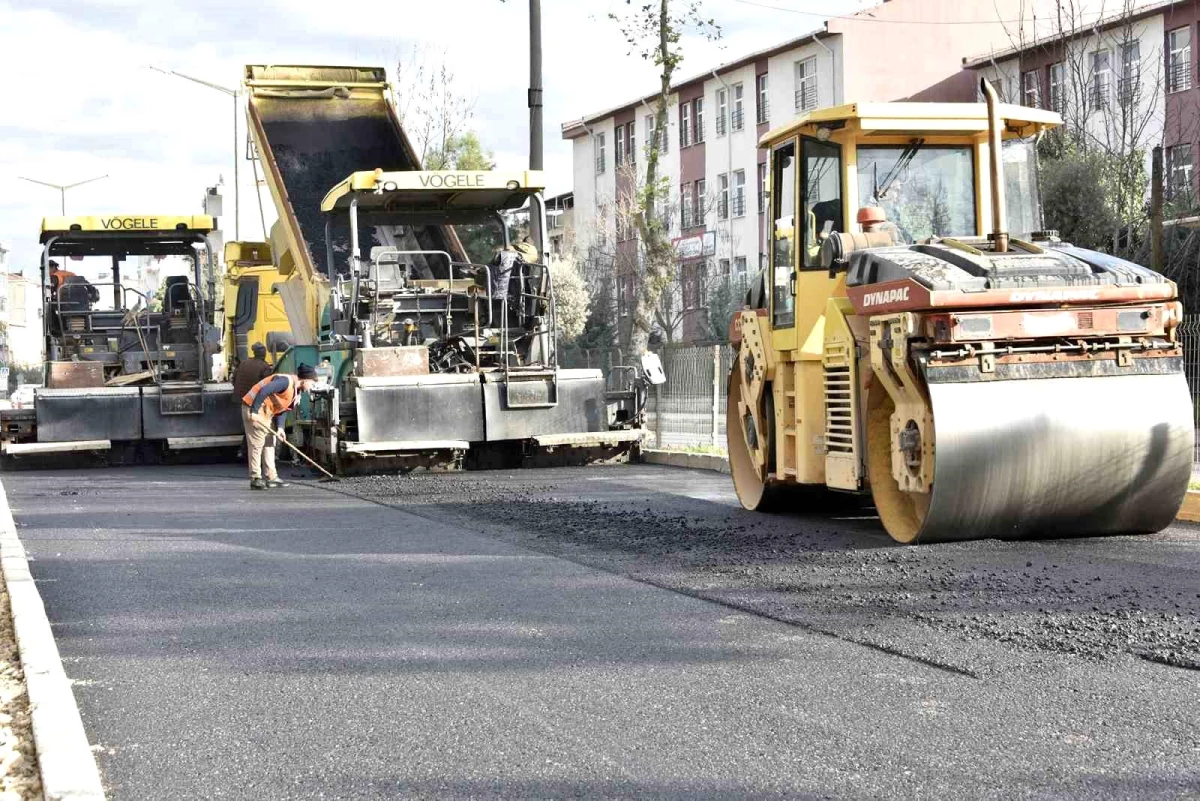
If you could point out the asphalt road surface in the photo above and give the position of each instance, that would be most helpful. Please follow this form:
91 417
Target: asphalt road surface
619 632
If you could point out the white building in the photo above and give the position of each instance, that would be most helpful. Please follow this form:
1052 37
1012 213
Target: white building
711 158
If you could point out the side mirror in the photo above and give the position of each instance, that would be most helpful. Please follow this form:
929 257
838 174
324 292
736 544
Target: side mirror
652 369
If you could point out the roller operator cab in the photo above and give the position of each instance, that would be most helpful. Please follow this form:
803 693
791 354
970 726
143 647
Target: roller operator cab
918 337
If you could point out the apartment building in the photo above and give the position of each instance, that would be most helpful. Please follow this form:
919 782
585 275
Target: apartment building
1128 80
24 330
900 50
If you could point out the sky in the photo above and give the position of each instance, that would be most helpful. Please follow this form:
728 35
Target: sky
82 101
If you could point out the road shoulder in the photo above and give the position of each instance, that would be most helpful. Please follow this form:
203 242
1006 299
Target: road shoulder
67 764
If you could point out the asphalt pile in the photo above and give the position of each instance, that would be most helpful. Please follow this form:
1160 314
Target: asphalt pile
837 572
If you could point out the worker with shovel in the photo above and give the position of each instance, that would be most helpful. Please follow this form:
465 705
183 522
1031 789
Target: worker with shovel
263 410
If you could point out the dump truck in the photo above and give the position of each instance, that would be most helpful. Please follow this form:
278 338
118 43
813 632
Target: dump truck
975 380
253 308
437 354
127 377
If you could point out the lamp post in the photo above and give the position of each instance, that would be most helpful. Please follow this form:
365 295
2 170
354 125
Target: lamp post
235 94
62 188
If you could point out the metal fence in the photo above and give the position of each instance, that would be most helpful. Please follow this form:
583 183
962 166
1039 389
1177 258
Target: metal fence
1189 337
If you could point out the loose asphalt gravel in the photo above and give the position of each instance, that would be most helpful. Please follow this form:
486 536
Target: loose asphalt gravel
617 631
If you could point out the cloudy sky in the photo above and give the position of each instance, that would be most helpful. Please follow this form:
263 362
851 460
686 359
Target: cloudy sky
81 100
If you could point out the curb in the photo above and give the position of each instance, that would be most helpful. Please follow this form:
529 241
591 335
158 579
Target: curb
1190 511
696 461
65 760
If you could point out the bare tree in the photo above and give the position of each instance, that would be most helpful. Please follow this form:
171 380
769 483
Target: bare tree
654 31
435 113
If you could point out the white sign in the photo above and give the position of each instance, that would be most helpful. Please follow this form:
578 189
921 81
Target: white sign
695 246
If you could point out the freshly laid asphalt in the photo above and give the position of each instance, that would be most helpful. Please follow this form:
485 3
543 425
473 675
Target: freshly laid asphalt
429 639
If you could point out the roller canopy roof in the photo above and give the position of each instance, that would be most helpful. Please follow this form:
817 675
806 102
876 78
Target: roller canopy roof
899 119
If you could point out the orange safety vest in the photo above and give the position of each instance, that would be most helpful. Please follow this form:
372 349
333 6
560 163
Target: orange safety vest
277 403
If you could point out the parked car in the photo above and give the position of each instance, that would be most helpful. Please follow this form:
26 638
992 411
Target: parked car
22 398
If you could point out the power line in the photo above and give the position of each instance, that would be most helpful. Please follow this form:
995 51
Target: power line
860 17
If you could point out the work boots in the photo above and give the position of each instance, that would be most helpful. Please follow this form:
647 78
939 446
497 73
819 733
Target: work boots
257 484
274 483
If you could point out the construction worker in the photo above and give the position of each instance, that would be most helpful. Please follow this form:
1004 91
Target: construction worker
58 276
251 371
263 410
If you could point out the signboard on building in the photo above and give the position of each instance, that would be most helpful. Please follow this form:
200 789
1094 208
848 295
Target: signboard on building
695 246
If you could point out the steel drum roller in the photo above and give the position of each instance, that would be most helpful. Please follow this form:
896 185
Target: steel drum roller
1041 457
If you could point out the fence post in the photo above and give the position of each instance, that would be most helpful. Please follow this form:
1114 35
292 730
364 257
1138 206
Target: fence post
716 393
658 416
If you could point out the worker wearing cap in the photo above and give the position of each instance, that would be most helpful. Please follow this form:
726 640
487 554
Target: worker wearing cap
263 410
250 371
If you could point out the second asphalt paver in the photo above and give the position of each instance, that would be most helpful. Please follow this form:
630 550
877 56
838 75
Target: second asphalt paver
312 644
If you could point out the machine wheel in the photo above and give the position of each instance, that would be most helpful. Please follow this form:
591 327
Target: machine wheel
902 513
756 491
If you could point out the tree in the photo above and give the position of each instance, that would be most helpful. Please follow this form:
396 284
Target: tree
571 300
654 31
432 111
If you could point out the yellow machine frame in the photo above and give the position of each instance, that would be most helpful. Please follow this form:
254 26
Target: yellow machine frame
810 366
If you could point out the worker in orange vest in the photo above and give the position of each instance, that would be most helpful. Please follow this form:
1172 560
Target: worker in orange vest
263 410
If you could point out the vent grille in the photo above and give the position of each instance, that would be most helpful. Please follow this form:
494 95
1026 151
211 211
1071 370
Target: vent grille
1085 320
839 410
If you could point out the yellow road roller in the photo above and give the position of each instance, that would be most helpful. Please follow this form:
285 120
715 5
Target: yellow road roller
917 335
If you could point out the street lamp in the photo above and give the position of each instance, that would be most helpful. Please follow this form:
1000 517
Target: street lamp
235 94
62 188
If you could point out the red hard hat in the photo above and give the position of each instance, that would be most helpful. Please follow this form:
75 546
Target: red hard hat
869 215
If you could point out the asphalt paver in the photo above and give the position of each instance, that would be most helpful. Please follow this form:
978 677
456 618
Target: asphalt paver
603 632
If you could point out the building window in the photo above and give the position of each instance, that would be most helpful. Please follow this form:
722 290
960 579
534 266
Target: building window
624 294
739 193
722 110
694 290
1030 90
764 104
1179 59
737 120
1179 171
619 145
762 187
653 135
685 206
701 202
723 266
698 119
685 124
599 146
1131 63
631 145
1058 86
723 196
806 84
1101 78
739 265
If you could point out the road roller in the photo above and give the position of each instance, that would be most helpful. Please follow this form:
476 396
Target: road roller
917 337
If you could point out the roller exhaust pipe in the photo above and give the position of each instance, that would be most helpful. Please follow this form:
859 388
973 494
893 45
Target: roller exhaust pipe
999 235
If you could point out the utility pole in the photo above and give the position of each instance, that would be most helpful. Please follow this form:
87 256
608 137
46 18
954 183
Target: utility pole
1157 257
535 84
62 189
